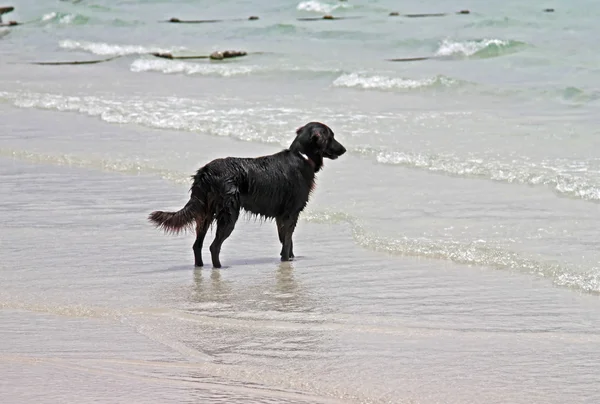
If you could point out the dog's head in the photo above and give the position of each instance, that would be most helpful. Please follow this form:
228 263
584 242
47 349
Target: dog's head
316 141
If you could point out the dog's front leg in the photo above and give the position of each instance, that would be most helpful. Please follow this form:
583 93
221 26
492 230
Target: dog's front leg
286 228
280 231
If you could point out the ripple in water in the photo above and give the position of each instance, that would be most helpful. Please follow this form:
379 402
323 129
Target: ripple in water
475 253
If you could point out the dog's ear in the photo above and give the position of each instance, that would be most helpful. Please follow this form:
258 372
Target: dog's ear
318 136
299 130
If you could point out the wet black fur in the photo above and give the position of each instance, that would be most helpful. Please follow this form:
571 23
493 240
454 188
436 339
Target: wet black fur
277 187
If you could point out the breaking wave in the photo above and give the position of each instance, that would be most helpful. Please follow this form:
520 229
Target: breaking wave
64 18
356 80
481 49
105 49
321 7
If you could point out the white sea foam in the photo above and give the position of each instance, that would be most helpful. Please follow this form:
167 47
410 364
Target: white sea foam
61 18
49 16
105 49
356 80
321 7
469 48
207 68
67 19
167 113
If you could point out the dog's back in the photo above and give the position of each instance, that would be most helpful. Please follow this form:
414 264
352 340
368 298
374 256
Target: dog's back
269 186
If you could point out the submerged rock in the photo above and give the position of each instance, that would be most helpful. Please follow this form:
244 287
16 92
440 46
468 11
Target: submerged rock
226 54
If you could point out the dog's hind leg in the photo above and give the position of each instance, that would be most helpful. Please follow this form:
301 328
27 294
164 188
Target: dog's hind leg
225 225
285 228
202 225
280 232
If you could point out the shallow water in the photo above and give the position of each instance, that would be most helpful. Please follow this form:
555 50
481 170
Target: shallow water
448 257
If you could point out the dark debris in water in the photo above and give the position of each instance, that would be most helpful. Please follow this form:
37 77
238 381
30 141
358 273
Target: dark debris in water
218 55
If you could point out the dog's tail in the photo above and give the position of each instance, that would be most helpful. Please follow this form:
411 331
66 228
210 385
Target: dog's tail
182 220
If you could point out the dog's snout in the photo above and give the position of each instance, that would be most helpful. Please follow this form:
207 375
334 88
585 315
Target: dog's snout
338 148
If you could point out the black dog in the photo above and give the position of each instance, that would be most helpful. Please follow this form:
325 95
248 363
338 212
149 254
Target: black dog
276 186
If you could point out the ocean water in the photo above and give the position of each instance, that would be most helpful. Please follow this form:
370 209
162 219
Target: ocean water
451 256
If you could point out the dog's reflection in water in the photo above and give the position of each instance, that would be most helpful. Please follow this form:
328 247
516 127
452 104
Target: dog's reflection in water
280 291
211 288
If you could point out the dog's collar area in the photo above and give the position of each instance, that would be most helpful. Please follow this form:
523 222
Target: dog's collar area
307 159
